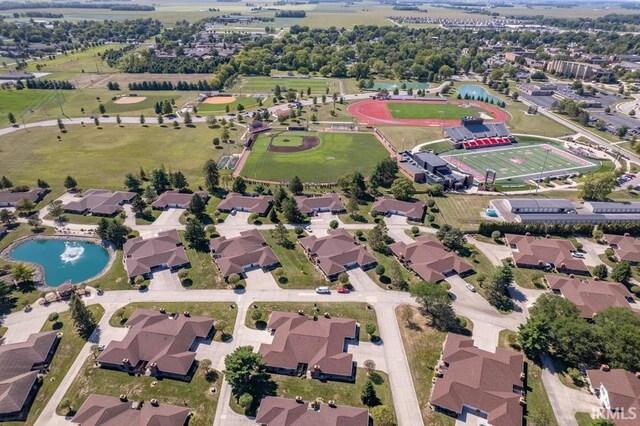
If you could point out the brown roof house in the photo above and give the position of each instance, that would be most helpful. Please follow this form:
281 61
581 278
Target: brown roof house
245 203
176 199
625 247
429 259
329 202
388 205
619 393
544 253
274 411
590 296
316 346
20 364
489 384
143 256
157 344
11 198
336 253
102 410
239 254
99 202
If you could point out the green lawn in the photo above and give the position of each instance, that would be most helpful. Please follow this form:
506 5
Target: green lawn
363 313
337 155
77 62
461 211
195 394
267 84
423 110
65 355
103 157
247 102
296 267
216 310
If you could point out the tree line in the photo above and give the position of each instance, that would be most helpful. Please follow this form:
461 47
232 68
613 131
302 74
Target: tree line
45 84
201 85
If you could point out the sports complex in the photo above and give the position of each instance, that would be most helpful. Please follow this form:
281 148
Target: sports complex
422 112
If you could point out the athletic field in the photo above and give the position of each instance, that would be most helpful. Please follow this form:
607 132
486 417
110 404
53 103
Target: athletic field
524 162
444 111
247 102
336 155
267 84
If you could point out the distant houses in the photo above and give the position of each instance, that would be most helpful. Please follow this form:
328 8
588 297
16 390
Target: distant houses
259 204
274 411
312 346
387 205
336 253
99 202
13 197
544 253
158 344
143 256
242 253
176 199
491 385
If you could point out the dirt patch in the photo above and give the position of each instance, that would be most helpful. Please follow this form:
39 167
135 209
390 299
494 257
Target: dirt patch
127 100
219 100
308 142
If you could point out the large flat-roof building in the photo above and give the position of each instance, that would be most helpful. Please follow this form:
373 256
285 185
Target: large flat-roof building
157 344
577 70
426 167
20 365
492 384
336 253
143 256
247 251
274 411
429 259
102 410
316 346
544 253
619 393
590 296
99 202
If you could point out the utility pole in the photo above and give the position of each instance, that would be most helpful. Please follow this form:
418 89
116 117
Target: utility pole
542 170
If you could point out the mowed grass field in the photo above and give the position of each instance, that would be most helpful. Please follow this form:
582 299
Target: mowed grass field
292 139
520 161
414 110
337 155
267 84
101 158
247 102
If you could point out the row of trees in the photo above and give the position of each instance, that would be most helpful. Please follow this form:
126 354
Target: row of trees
45 84
201 85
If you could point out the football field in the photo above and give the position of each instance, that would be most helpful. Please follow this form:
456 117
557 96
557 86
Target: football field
441 110
524 162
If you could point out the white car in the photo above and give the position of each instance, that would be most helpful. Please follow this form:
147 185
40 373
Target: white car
323 290
471 288
577 255
308 229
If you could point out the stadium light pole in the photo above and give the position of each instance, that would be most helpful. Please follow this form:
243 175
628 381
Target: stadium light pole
544 163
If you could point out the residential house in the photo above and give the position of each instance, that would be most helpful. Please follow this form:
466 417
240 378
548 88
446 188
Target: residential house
625 247
329 202
544 253
242 253
619 393
259 204
143 256
176 199
274 411
157 344
99 202
387 205
490 385
315 346
429 259
336 253
11 198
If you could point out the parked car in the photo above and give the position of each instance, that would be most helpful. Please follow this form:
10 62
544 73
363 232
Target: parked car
343 289
308 229
471 288
323 290
577 255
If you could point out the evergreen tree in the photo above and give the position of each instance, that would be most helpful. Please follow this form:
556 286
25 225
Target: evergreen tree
160 180
83 319
196 205
195 235
70 183
101 230
132 183
295 186
369 396
291 212
138 205
179 181
5 183
211 175
12 118
239 185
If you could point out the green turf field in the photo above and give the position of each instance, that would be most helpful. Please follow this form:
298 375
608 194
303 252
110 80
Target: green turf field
521 161
247 102
267 84
423 110
337 155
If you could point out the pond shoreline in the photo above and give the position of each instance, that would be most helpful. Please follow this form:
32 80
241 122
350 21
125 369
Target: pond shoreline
39 279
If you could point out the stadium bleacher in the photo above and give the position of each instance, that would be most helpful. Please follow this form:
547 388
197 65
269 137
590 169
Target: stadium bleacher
485 142
474 133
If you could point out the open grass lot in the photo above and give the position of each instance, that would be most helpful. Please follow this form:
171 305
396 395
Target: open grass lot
539 410
406 137
216 310
89 60
429 110
337 155
66 353
461 211
318 85
101 158
115 278
361 312
521 161
194 394
248 102
296 268
203 273
342 393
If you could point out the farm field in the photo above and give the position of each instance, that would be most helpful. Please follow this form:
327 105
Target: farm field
267 84
429 110
336 155
100 158
520 161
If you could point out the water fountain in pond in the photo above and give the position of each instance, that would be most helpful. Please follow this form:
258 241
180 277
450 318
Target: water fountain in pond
72 252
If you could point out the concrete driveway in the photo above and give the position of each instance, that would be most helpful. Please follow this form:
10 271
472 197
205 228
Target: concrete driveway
363 351
470 417
165 280
234 224
169 218
320 223
257 279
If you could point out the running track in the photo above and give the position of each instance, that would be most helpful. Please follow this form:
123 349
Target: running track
375 112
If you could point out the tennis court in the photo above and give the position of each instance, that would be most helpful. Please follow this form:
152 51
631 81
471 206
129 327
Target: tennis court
524 162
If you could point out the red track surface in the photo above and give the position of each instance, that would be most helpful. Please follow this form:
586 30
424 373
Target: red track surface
375 112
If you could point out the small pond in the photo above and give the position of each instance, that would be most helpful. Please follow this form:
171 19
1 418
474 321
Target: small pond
62 260
476 92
